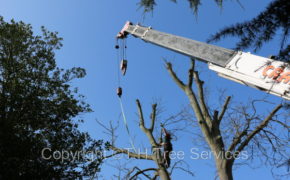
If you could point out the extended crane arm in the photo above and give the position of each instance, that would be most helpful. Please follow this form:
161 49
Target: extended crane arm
198 50
259 72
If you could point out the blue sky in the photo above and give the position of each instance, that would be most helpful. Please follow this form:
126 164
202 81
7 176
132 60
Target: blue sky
89 28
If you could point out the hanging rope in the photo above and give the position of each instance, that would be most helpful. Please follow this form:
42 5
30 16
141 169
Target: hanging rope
117 64
125 47
126 124
122 52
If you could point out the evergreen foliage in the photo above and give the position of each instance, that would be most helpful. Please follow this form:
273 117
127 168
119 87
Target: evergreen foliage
274 20
148 5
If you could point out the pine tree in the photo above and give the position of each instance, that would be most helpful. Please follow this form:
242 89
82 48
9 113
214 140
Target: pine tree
261 29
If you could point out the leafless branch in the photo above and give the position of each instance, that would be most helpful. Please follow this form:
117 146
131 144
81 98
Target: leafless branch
187 169
225 107
142 172
131 154
142 125
239 135
179 122
141 116
215 116
269 139
112 155
237 139
204 121
263 124
201 98
258 101
174 76
110 130
153 117
190 73
155 176
282 124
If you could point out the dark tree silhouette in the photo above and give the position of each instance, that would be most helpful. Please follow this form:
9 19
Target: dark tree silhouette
38 109
148 5
274 20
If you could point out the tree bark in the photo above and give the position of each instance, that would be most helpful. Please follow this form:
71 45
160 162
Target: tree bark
209 126
224 168
157 155
163 173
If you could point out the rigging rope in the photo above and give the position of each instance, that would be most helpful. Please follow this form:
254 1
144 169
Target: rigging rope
122 52
118 72
126 124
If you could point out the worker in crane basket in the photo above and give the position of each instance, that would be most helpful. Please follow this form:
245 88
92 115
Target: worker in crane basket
167 147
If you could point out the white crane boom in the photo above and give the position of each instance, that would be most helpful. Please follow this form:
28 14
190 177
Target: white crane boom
259 72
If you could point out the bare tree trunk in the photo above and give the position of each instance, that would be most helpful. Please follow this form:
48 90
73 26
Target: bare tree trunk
224 168
163 173
157 155
158 158
208 125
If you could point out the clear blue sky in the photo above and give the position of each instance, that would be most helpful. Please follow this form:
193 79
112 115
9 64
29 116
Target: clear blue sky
89 27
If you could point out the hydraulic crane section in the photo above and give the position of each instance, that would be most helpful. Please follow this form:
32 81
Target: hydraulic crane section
262 73
198 50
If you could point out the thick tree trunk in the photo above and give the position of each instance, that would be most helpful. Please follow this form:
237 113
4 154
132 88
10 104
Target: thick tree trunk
210 125
158 158
163 174
224 168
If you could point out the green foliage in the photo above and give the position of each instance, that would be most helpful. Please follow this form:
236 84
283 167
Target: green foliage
194 5
261 29
148 5
38 108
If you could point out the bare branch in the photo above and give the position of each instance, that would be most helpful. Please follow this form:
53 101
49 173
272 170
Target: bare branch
239 135
112 155
141 116
142 125
282 124
197 109
109 130
193 102
269 139
130 154
187 169
237 139
202 104
260 127
174 76
121 167
179 122
215 115
225 107
190 72
103 126
153 117
155 176
143 172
